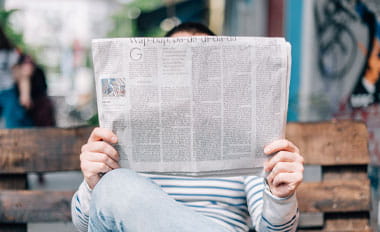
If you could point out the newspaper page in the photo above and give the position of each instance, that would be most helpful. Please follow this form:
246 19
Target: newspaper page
195 106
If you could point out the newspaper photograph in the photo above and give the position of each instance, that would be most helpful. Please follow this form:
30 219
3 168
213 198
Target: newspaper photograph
193 106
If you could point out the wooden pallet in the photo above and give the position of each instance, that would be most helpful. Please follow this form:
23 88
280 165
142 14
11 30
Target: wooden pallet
340 201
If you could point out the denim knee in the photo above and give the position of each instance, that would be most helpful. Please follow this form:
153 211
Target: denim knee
120 188
117 178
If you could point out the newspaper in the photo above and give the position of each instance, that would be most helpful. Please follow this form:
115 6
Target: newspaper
196 106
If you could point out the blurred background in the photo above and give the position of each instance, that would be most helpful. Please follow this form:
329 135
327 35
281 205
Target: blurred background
335 51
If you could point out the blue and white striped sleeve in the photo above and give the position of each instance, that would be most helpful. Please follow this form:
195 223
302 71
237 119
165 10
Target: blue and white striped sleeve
80 207
268 212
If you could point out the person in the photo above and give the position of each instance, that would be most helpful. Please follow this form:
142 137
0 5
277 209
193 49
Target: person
13 76
41 107
117 199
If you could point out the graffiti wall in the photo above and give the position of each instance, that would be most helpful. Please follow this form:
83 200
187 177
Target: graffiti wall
341 73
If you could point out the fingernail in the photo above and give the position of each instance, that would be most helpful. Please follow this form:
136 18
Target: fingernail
266 150
114 139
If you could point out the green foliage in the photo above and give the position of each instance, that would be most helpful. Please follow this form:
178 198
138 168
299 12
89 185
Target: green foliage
146 5
93 121
125 26
5 15
16 38
155 32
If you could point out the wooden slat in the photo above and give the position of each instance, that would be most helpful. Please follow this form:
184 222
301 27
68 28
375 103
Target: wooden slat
344 222
334 196
13 227
331 143
14 181
34 206
57 149
358 172
41 149
347 222
326 230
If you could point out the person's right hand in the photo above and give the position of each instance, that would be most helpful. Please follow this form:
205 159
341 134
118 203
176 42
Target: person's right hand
98 156
25 101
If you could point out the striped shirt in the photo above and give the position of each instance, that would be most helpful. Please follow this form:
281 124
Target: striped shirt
234 202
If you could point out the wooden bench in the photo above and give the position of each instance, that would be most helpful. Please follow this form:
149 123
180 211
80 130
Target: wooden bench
337 201
43 150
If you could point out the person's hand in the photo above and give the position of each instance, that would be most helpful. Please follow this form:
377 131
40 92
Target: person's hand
26 101
22 74
98 156
285 167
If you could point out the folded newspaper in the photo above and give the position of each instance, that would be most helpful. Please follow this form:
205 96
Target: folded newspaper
196 106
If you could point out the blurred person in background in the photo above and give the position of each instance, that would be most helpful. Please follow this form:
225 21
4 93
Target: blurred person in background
40 107
13 75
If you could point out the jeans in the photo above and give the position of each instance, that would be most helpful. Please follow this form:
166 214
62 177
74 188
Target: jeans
126 201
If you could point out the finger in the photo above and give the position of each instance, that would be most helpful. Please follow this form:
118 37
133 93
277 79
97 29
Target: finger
284 167
100 158
101 147
99 134
280 145
290 179
282 156
93 168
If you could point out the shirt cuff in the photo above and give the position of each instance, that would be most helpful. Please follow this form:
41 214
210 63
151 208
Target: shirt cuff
87 187
279 210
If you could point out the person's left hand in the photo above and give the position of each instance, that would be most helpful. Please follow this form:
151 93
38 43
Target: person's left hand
285 167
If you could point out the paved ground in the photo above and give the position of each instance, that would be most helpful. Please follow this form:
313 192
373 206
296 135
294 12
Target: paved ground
55 181
56 227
